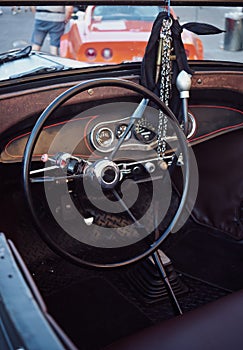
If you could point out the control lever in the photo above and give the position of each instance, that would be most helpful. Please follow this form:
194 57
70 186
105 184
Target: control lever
183 84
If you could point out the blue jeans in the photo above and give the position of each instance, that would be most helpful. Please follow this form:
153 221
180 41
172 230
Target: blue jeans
42 28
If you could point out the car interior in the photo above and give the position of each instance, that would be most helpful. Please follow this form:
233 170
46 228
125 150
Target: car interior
122 199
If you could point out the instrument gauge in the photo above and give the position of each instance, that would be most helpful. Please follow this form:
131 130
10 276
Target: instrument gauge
120 131
104 137
144 131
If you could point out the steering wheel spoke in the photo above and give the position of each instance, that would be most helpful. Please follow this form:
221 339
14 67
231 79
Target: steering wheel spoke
56 179
137 114
123 204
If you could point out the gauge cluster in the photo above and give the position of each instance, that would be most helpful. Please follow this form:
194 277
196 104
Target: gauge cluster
105 135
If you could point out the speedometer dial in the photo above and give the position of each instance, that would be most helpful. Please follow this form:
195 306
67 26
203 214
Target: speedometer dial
144 131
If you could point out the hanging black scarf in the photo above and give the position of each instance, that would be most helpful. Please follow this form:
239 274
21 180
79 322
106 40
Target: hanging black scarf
148 69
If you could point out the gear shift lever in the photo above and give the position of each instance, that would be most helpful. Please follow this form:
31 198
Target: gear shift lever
183 84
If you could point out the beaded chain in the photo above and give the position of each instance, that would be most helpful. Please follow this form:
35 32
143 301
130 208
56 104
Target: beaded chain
165 84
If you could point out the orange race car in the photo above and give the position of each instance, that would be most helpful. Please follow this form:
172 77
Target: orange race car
114 34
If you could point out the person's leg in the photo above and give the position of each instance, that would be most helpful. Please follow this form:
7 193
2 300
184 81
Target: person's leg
39 33
36 47
55 33
14 10
54 50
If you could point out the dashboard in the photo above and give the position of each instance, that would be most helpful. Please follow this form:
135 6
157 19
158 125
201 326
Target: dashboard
99 132
92 123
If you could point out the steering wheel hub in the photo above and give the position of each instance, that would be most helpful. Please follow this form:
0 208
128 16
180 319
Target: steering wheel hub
106 172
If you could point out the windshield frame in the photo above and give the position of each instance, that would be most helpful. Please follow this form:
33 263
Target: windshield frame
124 2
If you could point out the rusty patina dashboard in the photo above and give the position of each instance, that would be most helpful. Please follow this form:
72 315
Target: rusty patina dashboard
211 113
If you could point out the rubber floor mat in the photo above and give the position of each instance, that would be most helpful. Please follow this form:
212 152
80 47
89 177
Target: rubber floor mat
93 313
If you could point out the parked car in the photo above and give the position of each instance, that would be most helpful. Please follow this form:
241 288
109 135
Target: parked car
114 34
121 194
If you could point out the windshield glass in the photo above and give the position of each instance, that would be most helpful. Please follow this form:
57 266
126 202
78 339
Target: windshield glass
101 35
226 46
138 13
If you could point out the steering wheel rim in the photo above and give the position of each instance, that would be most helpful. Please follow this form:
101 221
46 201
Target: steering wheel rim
53 106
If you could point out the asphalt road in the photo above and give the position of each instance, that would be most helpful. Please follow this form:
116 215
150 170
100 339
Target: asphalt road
16 30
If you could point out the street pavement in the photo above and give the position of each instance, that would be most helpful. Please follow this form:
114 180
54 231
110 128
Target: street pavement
16 30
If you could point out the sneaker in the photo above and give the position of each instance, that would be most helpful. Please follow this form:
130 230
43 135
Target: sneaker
1 11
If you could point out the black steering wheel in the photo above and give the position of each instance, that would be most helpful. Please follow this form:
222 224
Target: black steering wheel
106 176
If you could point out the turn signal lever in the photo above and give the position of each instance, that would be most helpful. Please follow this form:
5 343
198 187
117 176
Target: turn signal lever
183 84
66 161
